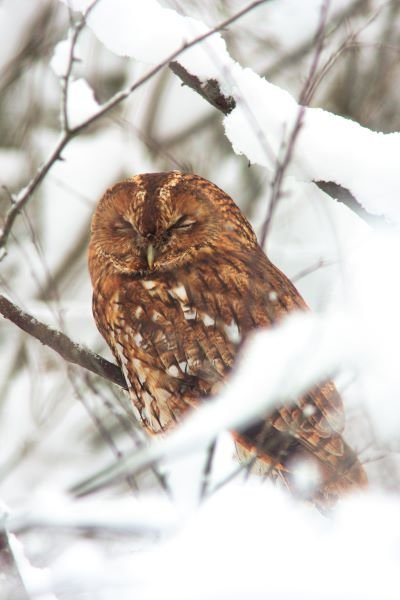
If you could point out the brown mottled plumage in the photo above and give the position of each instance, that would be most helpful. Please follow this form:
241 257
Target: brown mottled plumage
179 280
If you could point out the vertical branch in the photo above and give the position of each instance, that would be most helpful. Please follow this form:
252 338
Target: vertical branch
305 97
77 28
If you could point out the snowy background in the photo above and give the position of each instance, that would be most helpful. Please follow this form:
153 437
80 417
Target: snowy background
176 528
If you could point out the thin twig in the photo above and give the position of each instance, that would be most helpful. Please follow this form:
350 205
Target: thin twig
305 96
102 429
233 474
349 42
282 165
66 77
129 430
312 269
207 470
295 55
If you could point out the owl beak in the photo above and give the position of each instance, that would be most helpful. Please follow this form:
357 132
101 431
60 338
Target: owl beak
151 254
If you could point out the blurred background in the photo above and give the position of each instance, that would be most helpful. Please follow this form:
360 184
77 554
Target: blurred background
57 423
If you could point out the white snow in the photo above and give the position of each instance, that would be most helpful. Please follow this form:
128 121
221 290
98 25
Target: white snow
61 56
372 302
253 542
328 148
81 102
32 577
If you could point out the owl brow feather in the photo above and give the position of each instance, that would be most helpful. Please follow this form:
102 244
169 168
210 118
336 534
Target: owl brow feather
152 184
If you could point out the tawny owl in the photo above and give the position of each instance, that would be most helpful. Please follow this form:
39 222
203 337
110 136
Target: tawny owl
179 280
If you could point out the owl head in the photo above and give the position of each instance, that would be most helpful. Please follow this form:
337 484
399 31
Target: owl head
160 221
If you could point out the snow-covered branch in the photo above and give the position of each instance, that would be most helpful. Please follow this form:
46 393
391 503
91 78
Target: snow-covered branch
359 165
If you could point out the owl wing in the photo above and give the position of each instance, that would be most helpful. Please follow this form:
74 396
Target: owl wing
241 295
317 418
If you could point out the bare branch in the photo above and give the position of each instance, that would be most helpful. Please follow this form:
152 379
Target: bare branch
61 343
